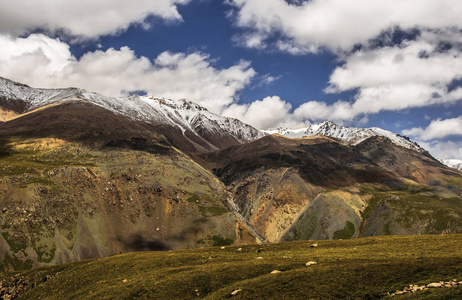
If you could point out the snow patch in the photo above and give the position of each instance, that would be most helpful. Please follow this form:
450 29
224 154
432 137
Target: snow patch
453 163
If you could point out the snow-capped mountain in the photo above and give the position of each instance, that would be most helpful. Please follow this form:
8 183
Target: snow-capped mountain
347 135
453 163
183 114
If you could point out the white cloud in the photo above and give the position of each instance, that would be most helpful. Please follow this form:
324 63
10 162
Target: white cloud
44 62
412 62
271 112
443 150
268 79
34 55
338 112
391 78
413 73
85 18
437 129
336 24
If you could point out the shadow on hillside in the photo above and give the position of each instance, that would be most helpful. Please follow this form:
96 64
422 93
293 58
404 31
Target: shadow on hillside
136 242
5 147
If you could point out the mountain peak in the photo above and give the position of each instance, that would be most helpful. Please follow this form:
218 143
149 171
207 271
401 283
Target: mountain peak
5 81
324 125
327 123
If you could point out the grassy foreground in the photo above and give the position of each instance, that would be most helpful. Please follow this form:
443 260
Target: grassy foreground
365 268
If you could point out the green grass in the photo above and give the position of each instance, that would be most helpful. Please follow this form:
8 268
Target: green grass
193 199
377 197
346 233
365 268
413 204
41 181
211 209
218 240
15 245
15 262
45 253
18 162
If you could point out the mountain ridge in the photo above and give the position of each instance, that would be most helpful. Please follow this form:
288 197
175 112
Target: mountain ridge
355 135
346 134
182 114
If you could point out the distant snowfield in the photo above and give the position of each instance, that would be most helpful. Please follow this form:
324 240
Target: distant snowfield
348 135
453 163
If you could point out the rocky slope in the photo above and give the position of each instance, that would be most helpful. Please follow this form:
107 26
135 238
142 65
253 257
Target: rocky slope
319 188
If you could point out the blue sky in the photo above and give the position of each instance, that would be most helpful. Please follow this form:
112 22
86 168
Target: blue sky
394 64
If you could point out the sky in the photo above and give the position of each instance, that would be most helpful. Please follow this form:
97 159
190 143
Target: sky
394 64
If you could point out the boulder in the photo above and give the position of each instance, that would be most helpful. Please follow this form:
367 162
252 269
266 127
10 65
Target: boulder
434 285
234 293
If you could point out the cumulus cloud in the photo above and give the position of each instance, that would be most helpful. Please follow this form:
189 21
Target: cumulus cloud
273 112
410 74
392 78
443 149
263 114
413 73
85 18
41 61
339 111
437 129
413 62
307 26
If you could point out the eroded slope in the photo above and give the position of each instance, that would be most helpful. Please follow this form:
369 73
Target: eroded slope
318 188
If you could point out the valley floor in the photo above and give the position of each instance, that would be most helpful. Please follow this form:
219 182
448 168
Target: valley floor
364 268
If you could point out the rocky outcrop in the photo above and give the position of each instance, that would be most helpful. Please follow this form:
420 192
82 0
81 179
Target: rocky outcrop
416 288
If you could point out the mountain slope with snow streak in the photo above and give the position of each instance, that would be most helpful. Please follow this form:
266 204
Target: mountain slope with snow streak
183 114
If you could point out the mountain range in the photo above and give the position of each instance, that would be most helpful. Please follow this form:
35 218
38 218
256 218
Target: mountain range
84 175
